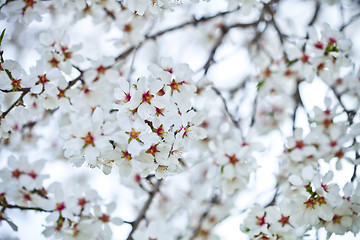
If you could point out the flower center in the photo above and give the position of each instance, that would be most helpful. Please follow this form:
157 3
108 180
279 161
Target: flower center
304 58
233 159
101 70
333 143
174 86
16 173
82 202
170 70
319 45
321 200
159 111
61 93
133 135
105 218
152 150
146 97
16 84
32 174
42 79
284 220
89 140
54 62
260 220
66 52
126 155
300 144
27 197
310 203
60 206
128 28
29 3
336 218
160 131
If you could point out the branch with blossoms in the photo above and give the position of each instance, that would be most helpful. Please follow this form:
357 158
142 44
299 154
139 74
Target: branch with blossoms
70 214
191 151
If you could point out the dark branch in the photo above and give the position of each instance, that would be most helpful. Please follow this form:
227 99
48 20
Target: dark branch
193 22
316 14
353 177
144 209
15 103
352 19
282 36
5 205
214 200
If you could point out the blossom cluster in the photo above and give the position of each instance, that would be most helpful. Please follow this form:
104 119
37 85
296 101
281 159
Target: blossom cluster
145 125
73 214
28 11
187 147
151 123
309 199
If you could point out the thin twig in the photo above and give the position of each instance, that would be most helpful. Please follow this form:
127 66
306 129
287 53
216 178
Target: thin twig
214 200
232 118
349 113
273 200
131 70
210 59
27 90
192 22
5 205
312 21
15 103
299 103
353 177
281 35
316 14
144 209
254 111
352 19
178 27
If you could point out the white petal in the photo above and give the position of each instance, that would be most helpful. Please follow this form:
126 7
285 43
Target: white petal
97 116
296 180
117 221
308 173
91 154
106 169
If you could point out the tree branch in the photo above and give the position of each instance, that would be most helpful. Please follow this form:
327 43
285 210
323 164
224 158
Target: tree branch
193 22
312 21
316 14
282 36
15 103
5 205
214 200
353 177
352 19
144 209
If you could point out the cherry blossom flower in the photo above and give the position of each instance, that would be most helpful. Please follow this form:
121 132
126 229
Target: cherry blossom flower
105 218
85 139
256 222
18 79
25 11
145 98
